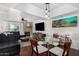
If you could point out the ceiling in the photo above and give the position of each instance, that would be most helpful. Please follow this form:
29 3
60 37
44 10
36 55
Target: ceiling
52 6
38 9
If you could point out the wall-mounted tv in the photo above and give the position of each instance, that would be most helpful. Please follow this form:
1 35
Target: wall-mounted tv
65 22
39 26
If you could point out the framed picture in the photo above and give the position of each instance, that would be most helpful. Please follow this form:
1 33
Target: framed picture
65 22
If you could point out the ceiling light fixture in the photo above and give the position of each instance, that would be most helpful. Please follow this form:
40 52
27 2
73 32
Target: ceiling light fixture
47 10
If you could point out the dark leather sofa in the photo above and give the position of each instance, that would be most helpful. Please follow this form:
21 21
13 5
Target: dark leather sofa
9 45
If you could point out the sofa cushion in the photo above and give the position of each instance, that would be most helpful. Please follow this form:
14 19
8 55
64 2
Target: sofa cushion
8 38
10 49
8 44
3 38
12 38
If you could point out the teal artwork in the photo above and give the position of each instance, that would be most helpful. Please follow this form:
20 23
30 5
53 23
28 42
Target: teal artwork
65 22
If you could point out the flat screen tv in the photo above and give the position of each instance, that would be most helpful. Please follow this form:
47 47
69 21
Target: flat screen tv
39 26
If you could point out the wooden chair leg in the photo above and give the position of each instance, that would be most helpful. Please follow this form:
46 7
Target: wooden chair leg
47 53
37 54
67 53
32 53
18 54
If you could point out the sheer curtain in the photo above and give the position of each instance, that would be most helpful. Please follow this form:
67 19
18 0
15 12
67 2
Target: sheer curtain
3 26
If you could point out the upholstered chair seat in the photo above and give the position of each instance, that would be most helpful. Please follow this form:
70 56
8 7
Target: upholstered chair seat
41 49
41 42
57 51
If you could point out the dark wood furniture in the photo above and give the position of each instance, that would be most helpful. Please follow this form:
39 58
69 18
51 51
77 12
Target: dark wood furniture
38 49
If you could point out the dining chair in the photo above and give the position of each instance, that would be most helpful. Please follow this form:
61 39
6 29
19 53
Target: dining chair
58 51
56 39
38 49
39 38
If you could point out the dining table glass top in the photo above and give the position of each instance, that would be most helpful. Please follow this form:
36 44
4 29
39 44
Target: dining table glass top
49 40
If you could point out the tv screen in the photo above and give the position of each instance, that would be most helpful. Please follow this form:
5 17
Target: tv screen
39 26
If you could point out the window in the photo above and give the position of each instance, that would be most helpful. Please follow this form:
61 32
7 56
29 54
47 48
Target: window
13 26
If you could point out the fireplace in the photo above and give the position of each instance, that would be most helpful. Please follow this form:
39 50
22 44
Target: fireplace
27 33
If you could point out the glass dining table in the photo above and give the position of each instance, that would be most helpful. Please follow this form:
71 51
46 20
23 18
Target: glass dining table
49 41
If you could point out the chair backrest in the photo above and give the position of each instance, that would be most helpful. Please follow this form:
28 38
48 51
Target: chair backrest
67 46
55 35
39 36
35 36
34 44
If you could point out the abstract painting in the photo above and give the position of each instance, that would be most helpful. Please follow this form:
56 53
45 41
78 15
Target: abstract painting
65 22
